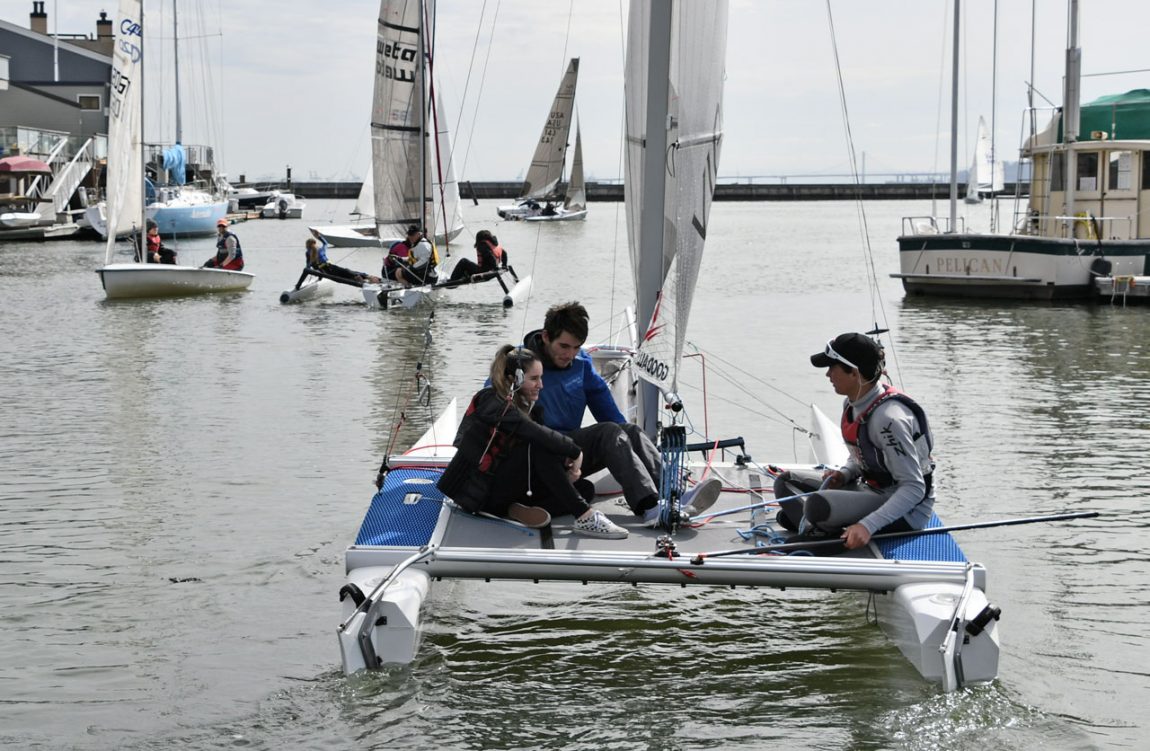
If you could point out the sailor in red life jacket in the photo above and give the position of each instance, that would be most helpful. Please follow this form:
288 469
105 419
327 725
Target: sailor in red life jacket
229 255
489 256
887 485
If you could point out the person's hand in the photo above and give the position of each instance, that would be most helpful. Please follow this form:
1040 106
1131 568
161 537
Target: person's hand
855 536
575 467
834 478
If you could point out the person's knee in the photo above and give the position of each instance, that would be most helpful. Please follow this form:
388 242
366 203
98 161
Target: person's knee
817 509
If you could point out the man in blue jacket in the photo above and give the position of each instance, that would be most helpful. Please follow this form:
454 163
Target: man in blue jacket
570 387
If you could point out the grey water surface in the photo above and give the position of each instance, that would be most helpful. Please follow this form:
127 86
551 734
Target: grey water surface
179 480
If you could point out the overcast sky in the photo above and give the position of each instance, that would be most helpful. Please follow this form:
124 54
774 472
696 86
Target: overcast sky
295 83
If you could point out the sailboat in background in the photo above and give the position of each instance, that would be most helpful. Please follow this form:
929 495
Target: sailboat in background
539 198
986 175
177 208
575 201
413 177
412 535
1083 231
124 204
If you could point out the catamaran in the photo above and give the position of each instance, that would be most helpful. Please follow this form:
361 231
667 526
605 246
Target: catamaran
929 598
408 176
124 206
540 199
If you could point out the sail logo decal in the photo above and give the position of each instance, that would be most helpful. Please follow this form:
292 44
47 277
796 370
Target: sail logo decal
130 28
652 366
406 56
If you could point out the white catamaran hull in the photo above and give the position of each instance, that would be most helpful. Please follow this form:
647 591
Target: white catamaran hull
123 280
561 215
313 289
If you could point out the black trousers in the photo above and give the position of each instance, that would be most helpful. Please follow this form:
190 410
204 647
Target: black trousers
530 468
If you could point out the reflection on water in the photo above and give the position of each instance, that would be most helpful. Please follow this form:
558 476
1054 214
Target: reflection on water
180 479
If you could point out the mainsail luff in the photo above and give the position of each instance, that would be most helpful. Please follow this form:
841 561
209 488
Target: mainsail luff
124 207
399 174
675 62
546 170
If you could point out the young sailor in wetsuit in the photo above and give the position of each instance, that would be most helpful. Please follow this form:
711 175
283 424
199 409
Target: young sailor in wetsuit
315 258
888 483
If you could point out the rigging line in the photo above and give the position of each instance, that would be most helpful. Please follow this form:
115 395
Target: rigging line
877 305
479 94
622 153
566 39
414 389
748 375
718 373
938 111
467 79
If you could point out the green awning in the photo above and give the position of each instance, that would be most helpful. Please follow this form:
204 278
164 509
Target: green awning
1123 117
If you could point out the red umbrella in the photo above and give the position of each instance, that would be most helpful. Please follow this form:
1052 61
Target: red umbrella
24 165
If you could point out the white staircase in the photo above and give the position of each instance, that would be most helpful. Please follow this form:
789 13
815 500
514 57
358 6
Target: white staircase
69 178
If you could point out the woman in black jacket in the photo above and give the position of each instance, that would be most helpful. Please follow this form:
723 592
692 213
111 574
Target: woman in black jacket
508 464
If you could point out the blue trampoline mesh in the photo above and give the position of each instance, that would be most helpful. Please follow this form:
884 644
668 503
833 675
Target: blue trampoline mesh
404 512
939 547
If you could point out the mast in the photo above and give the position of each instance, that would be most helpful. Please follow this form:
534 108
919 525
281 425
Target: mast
140 147
654 187
176 44
953 227
423 119
1071 91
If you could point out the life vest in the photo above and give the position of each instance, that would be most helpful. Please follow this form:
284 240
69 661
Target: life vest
222 247
862 448
496 253
397 251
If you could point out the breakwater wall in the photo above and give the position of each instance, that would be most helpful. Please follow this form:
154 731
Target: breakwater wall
723 192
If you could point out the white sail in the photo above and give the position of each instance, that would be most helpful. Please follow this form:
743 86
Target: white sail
576 199
397 117
124 207
448 212
986 174
546 170
676 54
365 201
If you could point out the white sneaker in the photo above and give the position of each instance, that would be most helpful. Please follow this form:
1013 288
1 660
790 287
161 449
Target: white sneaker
596 524
701 497
655 516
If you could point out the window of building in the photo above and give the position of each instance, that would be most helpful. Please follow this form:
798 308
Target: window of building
1146 170
89 101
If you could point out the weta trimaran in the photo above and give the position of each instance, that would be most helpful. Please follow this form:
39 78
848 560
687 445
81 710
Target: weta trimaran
412 180
930 600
